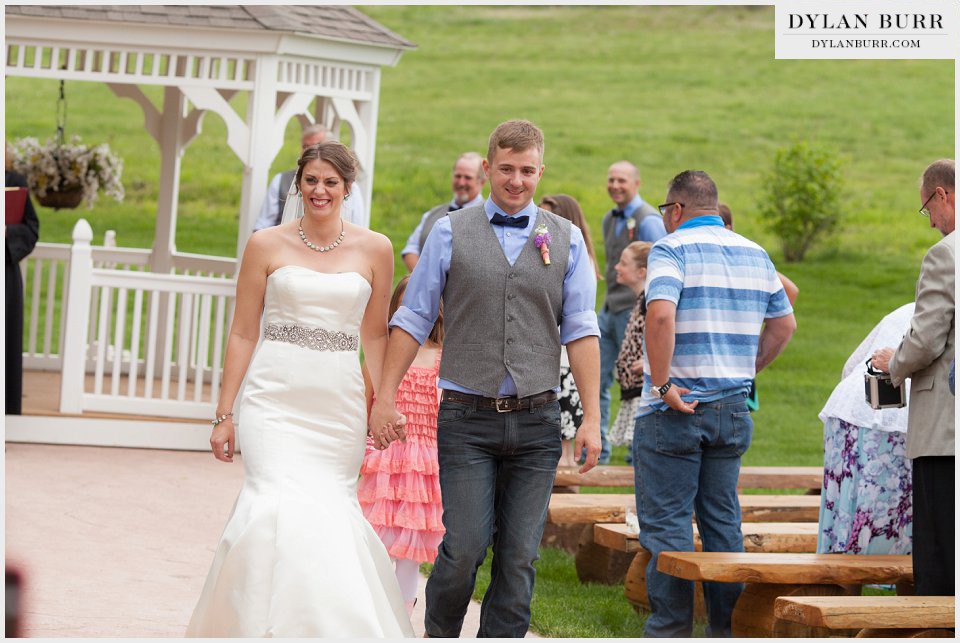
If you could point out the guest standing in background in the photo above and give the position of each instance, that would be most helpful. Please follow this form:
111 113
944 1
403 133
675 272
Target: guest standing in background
467 181
631 219
20 241
631 272
571 411
866 504
924 355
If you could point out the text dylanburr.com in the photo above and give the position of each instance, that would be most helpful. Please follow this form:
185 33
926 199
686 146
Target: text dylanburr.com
922 29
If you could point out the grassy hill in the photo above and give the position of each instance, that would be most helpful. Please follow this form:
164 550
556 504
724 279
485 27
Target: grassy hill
670 88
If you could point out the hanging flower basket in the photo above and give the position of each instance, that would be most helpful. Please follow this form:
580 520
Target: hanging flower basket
66 199
64 176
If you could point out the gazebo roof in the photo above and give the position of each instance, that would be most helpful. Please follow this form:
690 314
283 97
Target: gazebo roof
329 22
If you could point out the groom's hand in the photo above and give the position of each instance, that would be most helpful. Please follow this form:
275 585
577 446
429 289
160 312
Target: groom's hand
588 437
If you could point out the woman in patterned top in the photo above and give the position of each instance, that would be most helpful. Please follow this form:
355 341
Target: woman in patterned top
632 273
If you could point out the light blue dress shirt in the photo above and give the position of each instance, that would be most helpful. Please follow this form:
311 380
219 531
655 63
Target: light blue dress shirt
650 229
413 241
421 301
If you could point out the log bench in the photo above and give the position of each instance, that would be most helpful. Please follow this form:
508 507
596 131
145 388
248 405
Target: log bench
797 537
874 616
807 478
595 508
769 576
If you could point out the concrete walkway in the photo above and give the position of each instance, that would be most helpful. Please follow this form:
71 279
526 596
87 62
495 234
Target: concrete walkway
117 542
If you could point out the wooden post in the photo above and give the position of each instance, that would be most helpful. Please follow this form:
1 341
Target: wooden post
76 318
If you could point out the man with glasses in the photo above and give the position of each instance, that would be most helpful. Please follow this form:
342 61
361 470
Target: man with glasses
925 356
631 219
716 315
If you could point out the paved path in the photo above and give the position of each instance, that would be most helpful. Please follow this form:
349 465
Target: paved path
117 542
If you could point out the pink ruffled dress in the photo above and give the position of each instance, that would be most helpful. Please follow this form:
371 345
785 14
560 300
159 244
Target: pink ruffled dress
399 488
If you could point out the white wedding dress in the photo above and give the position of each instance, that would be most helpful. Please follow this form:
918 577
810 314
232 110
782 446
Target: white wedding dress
297 557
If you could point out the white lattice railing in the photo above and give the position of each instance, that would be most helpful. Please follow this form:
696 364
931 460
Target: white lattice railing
223 71
113 64
45 274
131 341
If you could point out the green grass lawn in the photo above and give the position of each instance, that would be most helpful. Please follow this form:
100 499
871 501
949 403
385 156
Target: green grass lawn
670 88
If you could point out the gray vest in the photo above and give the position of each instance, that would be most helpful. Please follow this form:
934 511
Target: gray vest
434 215
619 297
286 180
498 317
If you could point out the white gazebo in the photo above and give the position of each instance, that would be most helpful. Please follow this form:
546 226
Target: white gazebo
142 331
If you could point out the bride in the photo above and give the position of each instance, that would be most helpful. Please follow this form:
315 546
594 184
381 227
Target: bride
297 558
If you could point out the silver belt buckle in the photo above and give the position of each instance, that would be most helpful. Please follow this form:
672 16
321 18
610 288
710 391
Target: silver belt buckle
504 400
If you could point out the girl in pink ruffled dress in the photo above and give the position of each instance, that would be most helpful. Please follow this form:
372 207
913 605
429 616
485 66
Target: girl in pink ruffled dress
399 488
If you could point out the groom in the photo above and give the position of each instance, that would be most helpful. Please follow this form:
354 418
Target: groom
516 283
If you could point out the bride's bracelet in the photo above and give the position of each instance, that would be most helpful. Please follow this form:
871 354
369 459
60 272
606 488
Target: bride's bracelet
221 418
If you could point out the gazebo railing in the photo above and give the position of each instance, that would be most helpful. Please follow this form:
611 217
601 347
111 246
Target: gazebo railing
45 274
127 340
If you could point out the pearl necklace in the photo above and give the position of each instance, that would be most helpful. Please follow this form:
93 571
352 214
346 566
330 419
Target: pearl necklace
313 246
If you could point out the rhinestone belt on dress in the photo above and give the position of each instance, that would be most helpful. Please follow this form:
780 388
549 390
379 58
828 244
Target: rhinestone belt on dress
317 339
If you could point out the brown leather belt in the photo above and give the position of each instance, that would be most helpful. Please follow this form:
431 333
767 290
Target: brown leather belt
500 404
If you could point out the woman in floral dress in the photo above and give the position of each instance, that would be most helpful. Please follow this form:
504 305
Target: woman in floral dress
866 501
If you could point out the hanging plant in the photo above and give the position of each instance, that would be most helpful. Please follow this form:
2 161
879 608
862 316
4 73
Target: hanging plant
62 175
70 173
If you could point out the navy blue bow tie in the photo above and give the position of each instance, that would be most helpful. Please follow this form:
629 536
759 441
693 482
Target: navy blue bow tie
509 222
453 208
619 213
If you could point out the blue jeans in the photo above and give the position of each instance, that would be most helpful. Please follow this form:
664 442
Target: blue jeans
496 476
685 463
612 327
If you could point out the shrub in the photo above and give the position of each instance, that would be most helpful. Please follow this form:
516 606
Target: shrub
801 197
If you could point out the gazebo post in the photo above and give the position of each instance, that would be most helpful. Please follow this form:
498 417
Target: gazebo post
261 150
171 153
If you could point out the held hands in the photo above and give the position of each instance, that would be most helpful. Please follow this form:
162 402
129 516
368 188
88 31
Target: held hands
674 401
222 440
588 437
881 359
637 367
386 424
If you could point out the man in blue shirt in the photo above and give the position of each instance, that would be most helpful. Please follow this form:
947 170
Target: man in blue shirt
467 183
716 315
517 282
631 219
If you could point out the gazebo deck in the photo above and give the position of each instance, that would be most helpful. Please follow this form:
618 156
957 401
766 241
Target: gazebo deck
41 396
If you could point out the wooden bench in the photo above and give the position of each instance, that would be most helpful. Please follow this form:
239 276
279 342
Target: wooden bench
886 616
808 478
592 508
770 576
798 537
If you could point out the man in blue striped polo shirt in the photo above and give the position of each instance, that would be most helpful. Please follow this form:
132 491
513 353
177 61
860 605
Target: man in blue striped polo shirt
716 315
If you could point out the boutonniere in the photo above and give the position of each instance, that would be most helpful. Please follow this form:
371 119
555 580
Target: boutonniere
542 241
631 225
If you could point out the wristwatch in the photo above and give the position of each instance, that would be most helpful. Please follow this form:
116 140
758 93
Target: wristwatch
660 391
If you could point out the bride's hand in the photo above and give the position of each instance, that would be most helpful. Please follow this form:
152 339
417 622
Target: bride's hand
222 440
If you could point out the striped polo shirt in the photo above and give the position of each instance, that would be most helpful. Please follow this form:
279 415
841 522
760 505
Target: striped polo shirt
724 286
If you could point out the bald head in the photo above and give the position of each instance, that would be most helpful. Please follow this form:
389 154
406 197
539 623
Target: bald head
623 182
468 177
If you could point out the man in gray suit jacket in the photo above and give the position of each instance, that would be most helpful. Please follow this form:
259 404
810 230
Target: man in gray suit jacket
924 356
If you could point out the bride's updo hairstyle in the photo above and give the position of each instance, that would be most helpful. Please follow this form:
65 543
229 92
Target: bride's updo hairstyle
341 157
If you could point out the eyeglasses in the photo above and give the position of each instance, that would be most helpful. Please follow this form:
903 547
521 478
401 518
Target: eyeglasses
923 208
664 206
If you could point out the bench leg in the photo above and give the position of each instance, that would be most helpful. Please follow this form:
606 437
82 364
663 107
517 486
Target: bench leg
635 587
753 615
887 633
598 564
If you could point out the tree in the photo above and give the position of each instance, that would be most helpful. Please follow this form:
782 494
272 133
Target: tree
802 196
